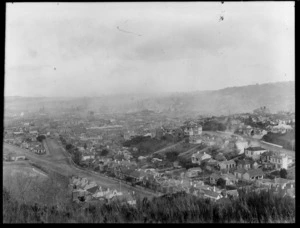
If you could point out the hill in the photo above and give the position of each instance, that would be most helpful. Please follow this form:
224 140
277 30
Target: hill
276 97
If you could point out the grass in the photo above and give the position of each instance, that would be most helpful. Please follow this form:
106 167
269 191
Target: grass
264 207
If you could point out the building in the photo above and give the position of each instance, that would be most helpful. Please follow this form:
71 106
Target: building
244 164
227 165
253 174
254 152
279 161
194 172
199 157
214 177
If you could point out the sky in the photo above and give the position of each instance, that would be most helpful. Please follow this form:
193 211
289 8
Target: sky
91 49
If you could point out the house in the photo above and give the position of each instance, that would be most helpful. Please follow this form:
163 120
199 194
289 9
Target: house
212 195
227 164
283 183
214 177
253 174
17 158
199 157
265 183
220 157
33 132
195 139
254 152
156 160
193 172
229 178
244 164
212 162
278 161
233 193
281 128
239 172
87 157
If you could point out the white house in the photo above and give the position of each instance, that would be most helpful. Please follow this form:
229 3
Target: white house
199 157
254 152
87 157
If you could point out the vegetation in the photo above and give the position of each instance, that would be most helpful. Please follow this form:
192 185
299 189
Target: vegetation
104 152
221 183
172 156
186 163
213 125
286 140
283 173
40 138
261 207
146 145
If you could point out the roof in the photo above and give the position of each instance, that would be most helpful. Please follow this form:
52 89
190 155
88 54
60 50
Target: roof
135 174
215 176
255 148
255 172
211 193
229 176
241 170
93 190
228 162
232 192
268 153
244 162
195 169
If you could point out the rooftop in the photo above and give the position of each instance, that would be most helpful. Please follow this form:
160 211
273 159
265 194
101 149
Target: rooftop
256 148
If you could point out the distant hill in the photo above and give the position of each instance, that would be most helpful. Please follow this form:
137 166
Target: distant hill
276 97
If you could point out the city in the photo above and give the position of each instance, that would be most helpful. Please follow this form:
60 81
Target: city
153 112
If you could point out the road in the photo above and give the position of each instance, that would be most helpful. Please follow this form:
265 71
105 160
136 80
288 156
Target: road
257 142
57 162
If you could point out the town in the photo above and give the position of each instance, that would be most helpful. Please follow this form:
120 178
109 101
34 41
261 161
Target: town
209 157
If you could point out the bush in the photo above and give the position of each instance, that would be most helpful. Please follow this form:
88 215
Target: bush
172 156
283 173
180 207
40 138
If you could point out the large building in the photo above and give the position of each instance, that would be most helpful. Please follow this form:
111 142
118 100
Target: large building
254 152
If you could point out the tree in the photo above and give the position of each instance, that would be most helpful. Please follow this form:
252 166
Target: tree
104 152
221 182
77 157
69 146
172 156
283 173
40 138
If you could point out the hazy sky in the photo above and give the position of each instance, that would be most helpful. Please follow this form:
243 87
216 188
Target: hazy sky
87 49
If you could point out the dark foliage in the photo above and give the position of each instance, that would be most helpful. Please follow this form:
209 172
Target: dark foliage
285 140
172 208
40 138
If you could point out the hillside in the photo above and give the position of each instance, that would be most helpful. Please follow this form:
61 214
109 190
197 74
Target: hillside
278 96
264 207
